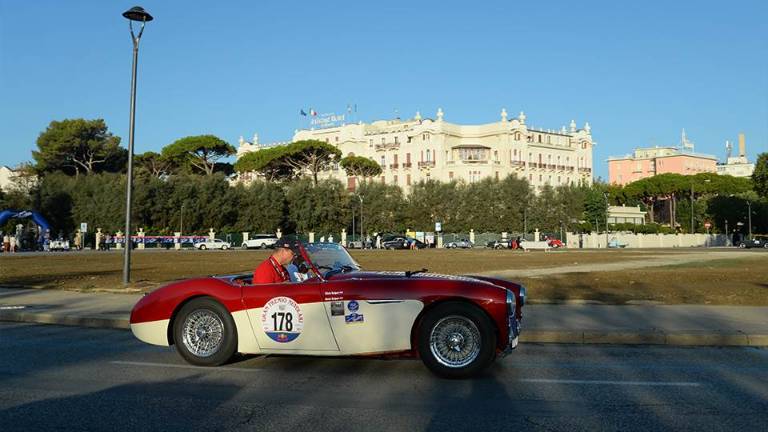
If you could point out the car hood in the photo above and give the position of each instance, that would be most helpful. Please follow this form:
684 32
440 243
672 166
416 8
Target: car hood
367 275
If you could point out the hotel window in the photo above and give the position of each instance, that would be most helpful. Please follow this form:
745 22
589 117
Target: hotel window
408 158
530 177
558 179
383 179
395 161
408 179
394 180
397 140
473 153
383 161
540 178
530 157
495 155
497 175
540 159
549 139
517 136
370 142
429 157
383 140
336 138
450 175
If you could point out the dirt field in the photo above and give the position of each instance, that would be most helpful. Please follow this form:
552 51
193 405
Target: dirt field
671 276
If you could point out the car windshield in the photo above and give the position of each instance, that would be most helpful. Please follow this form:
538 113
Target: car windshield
330 258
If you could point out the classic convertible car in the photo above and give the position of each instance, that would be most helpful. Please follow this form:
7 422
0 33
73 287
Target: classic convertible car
457 325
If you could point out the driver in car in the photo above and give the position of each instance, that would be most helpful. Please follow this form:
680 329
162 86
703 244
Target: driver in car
272 270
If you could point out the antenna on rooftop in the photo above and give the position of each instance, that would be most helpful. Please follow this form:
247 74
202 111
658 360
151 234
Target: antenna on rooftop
684 143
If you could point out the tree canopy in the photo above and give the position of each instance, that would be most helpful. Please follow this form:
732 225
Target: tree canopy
290 161
360 167
760 175
200 152
73 146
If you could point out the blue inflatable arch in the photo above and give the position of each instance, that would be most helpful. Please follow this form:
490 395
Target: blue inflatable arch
37 217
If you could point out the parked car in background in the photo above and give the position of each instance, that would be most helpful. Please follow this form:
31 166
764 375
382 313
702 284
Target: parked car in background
502 244
459 244
402 243
260 241
215 244
555 243
754 242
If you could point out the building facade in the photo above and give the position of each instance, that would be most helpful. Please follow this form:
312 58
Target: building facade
647 162
417 149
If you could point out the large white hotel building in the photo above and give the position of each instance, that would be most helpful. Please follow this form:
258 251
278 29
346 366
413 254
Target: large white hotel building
422 148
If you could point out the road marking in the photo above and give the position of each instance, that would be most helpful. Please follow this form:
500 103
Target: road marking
602 382
13 307
176 366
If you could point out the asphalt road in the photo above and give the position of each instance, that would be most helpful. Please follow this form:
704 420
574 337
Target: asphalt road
69 378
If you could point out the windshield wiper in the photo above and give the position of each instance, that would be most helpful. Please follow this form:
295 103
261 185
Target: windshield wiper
410 273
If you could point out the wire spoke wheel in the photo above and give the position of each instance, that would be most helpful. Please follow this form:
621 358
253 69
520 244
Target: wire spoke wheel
203 333
455 341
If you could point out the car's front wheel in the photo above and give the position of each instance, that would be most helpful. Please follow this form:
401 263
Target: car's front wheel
244 246
204 333
457 340
202 247
225 247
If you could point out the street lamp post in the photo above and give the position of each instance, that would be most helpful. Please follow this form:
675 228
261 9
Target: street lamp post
137 14
749 220
607 211
727 237
360 197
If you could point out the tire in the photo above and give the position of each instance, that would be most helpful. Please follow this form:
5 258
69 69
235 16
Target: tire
467 327
765 246
244 246
225 247
208 316
264 246
743 245
202 247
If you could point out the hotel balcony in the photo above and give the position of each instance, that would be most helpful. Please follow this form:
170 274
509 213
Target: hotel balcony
407 165
585 170
427 164
517 164
394 166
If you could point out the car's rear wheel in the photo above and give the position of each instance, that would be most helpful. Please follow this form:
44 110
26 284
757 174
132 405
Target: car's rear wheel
244 246
742 245
204 333
457 340
264 246
202 247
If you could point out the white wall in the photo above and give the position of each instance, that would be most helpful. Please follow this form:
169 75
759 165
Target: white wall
648 240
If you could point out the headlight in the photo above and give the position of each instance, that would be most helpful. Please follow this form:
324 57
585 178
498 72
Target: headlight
510 303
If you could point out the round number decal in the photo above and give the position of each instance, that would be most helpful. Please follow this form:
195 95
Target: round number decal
281 319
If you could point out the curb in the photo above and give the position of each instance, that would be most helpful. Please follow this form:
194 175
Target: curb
647 337
67 320
622 337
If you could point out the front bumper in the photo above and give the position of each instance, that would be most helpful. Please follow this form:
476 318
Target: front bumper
513 324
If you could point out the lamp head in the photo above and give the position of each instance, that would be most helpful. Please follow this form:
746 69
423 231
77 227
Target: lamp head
137 13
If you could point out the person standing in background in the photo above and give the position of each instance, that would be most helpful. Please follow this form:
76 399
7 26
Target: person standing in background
6 243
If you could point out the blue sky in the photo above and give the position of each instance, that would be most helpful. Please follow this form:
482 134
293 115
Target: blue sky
639 72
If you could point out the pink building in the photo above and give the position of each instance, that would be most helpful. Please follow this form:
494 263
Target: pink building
647 162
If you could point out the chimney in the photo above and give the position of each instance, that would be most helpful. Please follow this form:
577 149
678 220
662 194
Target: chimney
742 145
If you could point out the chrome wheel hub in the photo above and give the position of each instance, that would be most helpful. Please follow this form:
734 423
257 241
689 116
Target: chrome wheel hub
203 333
455 341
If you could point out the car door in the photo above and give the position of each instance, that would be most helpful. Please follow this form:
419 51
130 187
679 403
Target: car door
366 319
290 317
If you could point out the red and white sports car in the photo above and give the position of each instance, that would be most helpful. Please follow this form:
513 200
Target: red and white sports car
457 325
